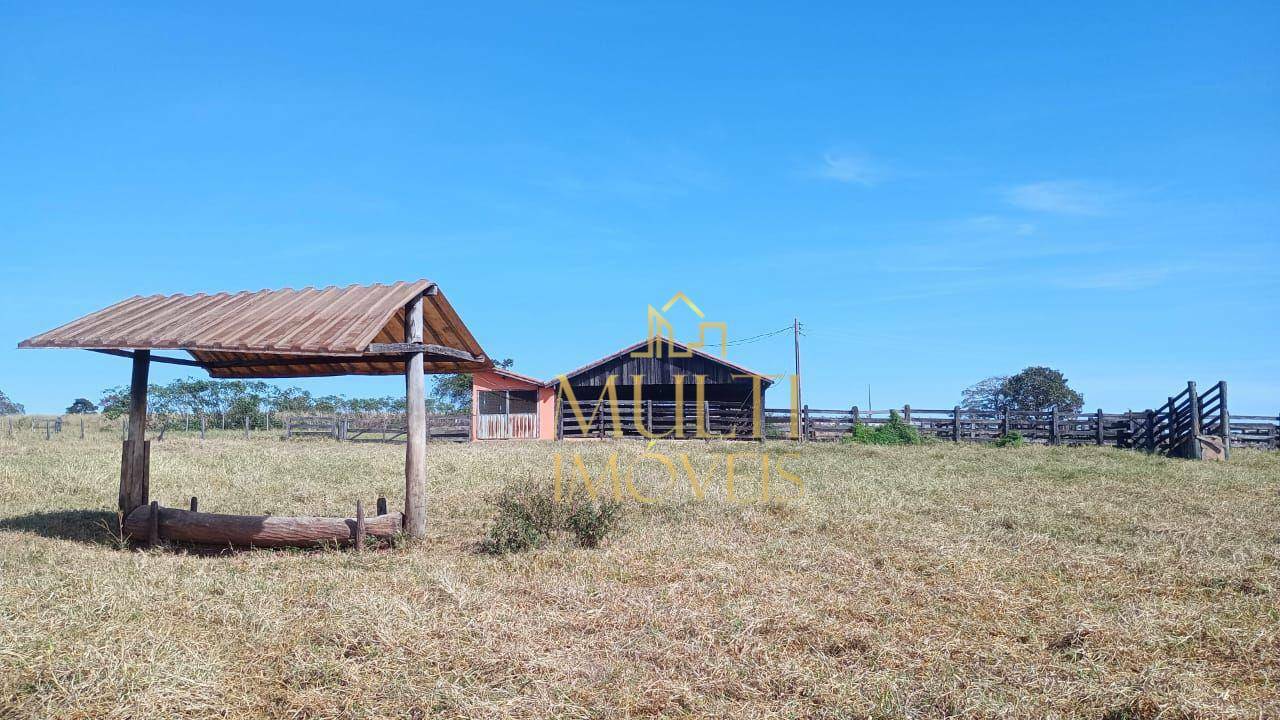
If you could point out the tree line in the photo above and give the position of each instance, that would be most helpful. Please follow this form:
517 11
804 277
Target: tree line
230 401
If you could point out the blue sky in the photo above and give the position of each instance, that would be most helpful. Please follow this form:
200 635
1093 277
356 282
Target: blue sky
939 193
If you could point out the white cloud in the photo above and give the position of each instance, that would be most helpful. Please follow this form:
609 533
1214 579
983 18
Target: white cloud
850 168
1063 197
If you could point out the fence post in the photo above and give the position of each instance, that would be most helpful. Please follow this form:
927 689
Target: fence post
81 428
1053 426
1151 431
360 526
955 424
46 430
195 504
202 427
804 424
288 427
1003 415
246 426
856 419
1224 420
906 414
1197 452
1099 430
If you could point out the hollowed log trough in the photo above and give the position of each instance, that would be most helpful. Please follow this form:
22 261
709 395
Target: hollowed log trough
263 531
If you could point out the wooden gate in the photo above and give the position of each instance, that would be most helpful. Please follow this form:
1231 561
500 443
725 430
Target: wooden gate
507 415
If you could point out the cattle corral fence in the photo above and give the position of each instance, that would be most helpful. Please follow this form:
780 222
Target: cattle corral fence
454 428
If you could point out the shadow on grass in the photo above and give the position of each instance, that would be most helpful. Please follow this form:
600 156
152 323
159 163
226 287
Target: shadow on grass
96 527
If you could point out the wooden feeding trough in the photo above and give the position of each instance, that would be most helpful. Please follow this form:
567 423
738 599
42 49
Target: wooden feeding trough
405 327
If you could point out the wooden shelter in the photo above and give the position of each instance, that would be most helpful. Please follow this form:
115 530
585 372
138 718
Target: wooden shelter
674 384
404 327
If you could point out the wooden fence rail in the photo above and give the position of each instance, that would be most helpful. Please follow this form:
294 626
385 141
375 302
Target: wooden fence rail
453 428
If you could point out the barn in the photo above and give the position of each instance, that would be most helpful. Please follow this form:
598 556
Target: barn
683 393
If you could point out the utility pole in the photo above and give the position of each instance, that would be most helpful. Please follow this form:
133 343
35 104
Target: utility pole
795 331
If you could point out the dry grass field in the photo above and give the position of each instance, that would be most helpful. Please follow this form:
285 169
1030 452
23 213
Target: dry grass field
906 582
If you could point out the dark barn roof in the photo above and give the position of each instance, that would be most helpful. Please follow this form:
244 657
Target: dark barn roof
661 370
280 333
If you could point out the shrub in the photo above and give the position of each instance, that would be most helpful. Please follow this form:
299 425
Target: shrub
529 515
1013 438
893 432
590 522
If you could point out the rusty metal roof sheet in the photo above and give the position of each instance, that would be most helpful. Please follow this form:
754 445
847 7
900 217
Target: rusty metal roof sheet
277 333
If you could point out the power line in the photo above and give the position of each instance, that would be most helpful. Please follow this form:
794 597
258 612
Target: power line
758 338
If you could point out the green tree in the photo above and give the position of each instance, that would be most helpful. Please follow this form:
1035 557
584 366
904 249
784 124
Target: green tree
114 401
9 407
81 406
1042 388
452 393
1035 389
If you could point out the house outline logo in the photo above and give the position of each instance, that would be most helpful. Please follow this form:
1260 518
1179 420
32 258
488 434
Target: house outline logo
661 332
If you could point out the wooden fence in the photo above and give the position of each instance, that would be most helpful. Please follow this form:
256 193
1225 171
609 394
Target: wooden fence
453 428
656 418
1176 428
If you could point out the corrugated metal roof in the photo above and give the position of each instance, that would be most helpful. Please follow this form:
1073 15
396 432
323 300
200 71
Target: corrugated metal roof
276 333
670 342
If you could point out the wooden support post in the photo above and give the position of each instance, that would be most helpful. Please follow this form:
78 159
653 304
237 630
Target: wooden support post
1224 420
81 428
1193 403
46 430
153 524
955 424
1053 427
360 530
186 422
246 426
288 428
1173 427
1099 431
804 424
134 479
906 414
857 419
382 506
1003 415
195 504
1151 431
415 456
